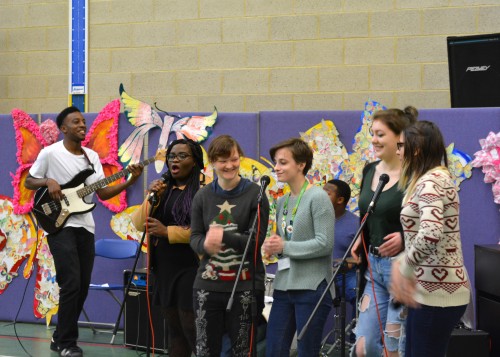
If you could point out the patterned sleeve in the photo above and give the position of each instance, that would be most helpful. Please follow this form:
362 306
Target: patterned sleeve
427 206
198 232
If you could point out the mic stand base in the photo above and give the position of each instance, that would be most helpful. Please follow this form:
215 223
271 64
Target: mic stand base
153 200
327 290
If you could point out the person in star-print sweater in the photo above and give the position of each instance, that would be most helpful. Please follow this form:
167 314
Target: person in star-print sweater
221 219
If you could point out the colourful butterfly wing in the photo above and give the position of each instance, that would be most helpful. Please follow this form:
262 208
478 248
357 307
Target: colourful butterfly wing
18 245
102 137
196 128
29 142
163 142
46 297
142 116
138 113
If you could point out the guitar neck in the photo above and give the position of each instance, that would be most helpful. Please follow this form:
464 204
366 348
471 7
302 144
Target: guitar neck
87 190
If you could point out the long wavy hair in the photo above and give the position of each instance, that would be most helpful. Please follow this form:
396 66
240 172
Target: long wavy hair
424 150
181 210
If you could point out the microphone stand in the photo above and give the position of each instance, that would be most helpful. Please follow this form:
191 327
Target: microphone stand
327 290
253 306
153 199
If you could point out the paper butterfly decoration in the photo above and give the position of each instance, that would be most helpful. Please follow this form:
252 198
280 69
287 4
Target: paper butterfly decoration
19 244
30 140
145 118
102 137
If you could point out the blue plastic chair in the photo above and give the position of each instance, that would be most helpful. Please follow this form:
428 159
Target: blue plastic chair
111 249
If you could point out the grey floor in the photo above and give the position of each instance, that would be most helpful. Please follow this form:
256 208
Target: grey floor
29 339
34 340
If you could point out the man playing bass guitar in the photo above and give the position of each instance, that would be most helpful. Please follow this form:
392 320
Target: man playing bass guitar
72 246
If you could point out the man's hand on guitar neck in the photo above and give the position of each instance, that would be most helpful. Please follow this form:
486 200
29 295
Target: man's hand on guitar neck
136 171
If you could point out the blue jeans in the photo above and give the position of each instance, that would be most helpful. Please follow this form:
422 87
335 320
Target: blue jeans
428 329
289 313
368 324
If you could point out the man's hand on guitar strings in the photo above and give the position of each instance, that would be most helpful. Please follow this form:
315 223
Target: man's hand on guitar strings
54 189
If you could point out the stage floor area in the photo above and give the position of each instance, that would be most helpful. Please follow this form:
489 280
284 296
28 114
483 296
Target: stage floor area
35 338
36 341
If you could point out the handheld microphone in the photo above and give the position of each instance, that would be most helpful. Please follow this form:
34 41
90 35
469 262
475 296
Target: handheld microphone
152 194
264 182
383 179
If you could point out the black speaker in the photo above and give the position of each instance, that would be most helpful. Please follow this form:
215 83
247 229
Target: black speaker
474 66
464 342
136 327
487 266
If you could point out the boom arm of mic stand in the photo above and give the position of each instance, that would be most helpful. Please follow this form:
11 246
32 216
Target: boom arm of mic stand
327 290
129 282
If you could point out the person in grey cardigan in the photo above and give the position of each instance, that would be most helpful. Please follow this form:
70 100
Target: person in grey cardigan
304 244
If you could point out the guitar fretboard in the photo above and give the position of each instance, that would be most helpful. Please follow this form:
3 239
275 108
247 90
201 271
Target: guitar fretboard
87 190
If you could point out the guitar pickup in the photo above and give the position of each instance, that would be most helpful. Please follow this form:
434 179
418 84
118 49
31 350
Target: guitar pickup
46 209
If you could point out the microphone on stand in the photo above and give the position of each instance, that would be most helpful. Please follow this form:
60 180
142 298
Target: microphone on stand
264 182
383 179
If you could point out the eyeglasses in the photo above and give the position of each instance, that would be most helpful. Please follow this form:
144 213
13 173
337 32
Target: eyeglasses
400 145
180 156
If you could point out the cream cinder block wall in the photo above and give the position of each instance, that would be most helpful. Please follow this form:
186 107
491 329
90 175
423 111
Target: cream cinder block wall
240 55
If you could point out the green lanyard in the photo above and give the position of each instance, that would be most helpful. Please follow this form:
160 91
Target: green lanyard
288 230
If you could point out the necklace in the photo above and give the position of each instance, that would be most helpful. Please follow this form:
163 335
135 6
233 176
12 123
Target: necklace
288 229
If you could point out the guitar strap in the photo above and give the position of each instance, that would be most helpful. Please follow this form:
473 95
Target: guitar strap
90 163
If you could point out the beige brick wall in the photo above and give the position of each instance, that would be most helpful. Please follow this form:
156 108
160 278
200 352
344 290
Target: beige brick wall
240 55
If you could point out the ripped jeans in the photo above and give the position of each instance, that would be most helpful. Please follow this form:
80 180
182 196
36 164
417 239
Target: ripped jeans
392 316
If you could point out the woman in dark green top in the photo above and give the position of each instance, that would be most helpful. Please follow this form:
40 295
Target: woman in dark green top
382 239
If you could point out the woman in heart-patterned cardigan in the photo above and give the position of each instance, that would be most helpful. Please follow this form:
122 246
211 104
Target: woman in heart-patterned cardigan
429 276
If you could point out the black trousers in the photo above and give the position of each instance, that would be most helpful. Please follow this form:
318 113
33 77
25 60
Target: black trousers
73 251
213 321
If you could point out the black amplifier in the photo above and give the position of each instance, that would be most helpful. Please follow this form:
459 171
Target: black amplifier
136 327
465 342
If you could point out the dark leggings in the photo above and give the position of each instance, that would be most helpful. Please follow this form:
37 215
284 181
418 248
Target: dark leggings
213 321
428 329
181 332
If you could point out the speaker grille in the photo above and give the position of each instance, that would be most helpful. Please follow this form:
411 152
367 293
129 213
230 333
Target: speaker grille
474 68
